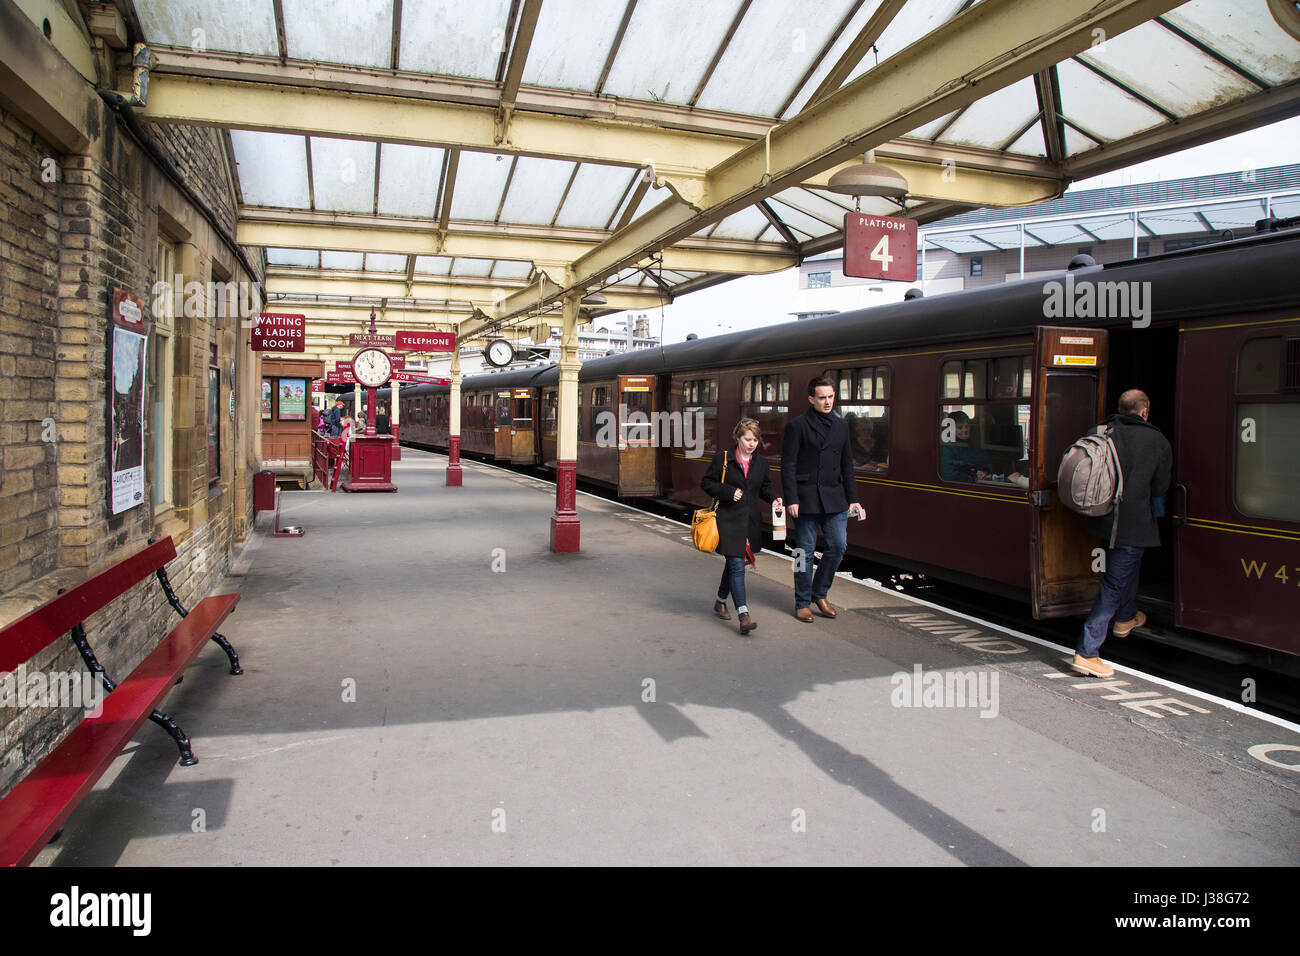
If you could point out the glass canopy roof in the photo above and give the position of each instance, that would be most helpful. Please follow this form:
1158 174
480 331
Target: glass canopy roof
727 69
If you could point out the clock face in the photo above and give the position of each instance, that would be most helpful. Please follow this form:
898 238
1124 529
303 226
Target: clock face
500 352
372 367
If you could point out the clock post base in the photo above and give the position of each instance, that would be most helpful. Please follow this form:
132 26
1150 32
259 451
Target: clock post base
453 462
565 525
372 464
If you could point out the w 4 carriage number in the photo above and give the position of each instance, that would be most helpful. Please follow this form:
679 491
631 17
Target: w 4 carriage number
1259 571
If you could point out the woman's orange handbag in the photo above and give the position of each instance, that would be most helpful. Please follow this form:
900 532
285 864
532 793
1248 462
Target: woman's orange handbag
704 522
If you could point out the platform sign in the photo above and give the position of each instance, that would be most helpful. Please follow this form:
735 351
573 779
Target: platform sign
420 379
343 367
425 342
128 375
399 361
340 378
879 247
366 338
279 332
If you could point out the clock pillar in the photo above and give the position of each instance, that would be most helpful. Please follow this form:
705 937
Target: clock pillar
565 525
453 409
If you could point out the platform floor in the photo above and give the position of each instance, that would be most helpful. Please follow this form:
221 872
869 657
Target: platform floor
506 717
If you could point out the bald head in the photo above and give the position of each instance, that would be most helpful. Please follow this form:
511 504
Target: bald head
1134 402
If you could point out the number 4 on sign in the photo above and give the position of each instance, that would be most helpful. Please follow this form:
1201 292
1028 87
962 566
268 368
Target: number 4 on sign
881 253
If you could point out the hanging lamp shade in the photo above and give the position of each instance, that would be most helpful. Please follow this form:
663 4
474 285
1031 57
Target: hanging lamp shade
868 178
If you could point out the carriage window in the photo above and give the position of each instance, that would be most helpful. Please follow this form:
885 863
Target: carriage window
551 413
975 382
1268 468
984 443
700 412
523 413
1259 366
599 409
767 404
951 380
638 404
868 436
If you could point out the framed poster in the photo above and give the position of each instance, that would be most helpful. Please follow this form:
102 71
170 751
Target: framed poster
293 399
126 419
266 399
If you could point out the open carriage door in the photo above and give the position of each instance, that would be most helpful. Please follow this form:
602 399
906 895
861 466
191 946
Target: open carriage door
1069 395
636 427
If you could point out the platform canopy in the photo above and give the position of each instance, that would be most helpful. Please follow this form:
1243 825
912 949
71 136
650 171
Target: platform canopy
464 165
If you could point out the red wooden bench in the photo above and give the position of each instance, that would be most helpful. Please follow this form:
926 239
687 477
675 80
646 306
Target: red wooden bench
35 810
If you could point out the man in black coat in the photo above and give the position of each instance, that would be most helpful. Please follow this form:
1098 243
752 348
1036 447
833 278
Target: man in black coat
1147 462
820 492
334 418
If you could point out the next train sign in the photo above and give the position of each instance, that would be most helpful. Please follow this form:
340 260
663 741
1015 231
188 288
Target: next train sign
879 247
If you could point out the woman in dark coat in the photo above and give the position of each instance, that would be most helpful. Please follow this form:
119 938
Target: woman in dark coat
744 481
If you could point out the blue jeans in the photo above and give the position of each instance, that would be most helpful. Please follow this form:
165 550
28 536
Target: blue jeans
733 581
1118 598
834 528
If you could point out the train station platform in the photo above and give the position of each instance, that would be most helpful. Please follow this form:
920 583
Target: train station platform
426 683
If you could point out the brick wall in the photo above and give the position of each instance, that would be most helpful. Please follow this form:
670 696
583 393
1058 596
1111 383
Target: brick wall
72 228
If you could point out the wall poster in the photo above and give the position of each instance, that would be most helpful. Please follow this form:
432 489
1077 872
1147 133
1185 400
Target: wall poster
126 403
266 399
293 399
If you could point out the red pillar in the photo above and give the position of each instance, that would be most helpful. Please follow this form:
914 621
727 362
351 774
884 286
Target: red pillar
565 523
453 462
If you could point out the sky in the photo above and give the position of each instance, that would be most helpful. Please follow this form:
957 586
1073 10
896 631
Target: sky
755 301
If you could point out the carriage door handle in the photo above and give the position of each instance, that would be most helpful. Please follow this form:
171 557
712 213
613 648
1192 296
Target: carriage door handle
1180 516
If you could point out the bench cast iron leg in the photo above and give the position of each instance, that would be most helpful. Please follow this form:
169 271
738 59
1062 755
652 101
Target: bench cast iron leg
179 608
183 742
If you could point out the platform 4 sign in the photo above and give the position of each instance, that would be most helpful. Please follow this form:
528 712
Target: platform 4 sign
879 247
425 341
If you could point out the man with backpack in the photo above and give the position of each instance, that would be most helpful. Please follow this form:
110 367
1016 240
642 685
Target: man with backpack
1145 461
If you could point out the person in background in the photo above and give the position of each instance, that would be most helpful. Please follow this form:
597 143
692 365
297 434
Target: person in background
315 418
382 424
334 418
738 479
821 491
1146 460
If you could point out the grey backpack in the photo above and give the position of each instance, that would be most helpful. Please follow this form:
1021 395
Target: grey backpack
1090 480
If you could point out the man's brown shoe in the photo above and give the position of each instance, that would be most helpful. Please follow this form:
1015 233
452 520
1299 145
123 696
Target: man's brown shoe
804 614
1094 666
824 606
1124 628
720 609
746 623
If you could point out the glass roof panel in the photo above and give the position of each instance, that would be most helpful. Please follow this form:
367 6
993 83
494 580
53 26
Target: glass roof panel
1107 228
1076 142
595 192
959 242
653 197
837 49
571 43
453 37
796 219
433 265
1057 233
1101 106
272 168
293 257
1285 206
1007 238
782 36
914 21
241 26
512 269
1235 215
472 267
815 203
929 129
356 31
1245 33
341 260
749 223
385 262
480 178
1167 69
343 174
659 59
1031 143
991 121
408 180
536 190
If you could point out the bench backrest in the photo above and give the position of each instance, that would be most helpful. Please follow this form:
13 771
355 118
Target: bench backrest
33 632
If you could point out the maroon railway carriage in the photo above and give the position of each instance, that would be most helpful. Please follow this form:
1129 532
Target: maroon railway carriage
1212 334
